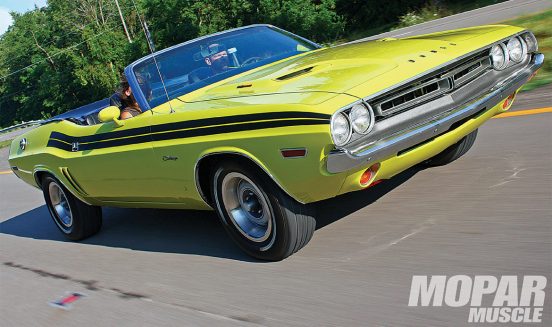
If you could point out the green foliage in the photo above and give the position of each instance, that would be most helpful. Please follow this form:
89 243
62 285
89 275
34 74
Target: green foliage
63 56
175 21
429 11
539 24
315 20
71 53
363 15
5 143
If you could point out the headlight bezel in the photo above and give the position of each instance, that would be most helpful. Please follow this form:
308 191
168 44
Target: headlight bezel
531 42
332 128
529 46
523 49
353 134
370 114
505 53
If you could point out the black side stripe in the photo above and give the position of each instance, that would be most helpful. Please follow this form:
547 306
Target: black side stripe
187 133
52 143
188 124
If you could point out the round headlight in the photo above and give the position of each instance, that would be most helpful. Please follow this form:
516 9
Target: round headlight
499 56
531 42
516 49
341 129
361 119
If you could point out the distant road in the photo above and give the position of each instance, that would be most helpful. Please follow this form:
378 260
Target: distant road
488 15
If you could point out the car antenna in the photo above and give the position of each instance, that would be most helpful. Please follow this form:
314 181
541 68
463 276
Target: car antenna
151 47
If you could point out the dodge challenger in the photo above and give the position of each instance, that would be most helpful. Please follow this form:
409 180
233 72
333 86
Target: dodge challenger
259 124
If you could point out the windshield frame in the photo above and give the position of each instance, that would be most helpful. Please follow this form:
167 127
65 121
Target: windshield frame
133 82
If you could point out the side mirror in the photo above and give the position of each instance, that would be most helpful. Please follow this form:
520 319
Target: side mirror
110 113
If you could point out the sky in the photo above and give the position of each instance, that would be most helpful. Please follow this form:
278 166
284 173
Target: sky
15 5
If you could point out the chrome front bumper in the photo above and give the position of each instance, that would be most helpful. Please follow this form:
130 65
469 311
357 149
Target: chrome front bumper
342 159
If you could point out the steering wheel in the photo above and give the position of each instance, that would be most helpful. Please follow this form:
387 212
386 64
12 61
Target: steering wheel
251 60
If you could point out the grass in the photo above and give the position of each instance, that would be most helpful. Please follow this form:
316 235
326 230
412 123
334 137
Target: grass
5 143
541 25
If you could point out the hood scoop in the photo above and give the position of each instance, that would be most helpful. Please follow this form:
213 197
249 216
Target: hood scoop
294 74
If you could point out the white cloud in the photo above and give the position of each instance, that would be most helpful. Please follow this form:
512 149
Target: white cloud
5 19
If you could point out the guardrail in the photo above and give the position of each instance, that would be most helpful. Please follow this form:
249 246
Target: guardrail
20 125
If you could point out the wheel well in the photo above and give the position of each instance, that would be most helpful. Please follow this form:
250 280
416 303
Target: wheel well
207 164
39 177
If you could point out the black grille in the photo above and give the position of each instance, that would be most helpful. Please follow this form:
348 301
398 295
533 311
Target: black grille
415 94
431 86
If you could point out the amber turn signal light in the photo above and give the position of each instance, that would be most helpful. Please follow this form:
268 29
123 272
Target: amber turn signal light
508 101
369 174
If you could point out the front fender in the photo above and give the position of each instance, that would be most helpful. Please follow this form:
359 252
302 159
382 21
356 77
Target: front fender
305 179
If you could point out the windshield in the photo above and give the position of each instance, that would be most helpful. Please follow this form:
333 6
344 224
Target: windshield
191 66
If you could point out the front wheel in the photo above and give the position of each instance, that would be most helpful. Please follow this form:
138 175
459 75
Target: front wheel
74 218
454 151
264 221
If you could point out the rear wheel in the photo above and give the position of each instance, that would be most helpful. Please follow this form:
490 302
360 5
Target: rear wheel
74 218
454 151
264 221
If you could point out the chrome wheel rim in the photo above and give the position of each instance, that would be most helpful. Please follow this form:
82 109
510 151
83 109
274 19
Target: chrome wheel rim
247 207
60 206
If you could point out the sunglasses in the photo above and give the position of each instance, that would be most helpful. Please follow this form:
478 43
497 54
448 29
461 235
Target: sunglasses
212 49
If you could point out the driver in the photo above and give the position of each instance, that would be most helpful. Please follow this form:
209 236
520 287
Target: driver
217 58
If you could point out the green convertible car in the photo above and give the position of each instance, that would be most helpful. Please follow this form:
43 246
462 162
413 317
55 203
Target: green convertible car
258 124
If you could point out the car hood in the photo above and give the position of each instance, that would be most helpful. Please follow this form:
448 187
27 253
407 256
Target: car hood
358 69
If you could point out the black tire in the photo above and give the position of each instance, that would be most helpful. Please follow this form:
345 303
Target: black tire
454 151
292 224
85 220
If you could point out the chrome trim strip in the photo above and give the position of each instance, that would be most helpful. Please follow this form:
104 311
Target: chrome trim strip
23 171
342 160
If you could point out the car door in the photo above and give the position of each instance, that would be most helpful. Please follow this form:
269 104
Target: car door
109 162
175 156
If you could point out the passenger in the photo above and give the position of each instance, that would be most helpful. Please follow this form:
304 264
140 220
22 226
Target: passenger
125 101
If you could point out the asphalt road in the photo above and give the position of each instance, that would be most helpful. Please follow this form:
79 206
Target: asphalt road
487 15
488 213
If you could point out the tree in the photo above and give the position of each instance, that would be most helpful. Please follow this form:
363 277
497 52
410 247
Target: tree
62 56
71 53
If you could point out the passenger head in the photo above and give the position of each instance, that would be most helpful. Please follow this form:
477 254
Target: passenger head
125 92
124 87
217 58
